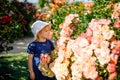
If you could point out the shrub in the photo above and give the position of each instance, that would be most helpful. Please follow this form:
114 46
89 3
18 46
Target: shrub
15 20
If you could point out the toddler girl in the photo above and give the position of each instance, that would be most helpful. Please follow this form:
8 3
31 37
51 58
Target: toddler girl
40 46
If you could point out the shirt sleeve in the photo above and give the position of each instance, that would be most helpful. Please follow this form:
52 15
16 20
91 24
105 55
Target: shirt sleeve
52 45
31 48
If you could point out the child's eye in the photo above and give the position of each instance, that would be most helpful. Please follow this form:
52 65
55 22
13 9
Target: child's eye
46 31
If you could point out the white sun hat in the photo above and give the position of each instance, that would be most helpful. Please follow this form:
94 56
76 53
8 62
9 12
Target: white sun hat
38 26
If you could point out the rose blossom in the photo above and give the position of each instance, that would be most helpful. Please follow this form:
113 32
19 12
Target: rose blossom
116 25
112 76
60 69
84 64
6 19
89 31
103 21
116 47
114 58
24 22
116 12
111 68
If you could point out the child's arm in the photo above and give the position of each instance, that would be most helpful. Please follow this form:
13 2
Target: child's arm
30 66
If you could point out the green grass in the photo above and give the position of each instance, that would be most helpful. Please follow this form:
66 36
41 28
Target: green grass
13 67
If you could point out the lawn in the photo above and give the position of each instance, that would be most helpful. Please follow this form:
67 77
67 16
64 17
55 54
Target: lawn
13 67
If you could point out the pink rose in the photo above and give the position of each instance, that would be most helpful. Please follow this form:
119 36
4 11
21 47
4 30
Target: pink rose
83 35
115 15
116 49
112 76
114 58
104 21
89 32
111 68
116 25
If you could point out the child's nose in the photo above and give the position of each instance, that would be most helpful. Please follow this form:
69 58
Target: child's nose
49 32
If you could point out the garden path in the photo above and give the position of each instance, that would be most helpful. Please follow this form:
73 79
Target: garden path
20 45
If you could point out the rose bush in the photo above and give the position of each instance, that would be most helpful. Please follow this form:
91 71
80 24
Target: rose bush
87 11
92 55
15 20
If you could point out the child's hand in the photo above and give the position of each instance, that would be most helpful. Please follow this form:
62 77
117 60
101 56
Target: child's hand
32 75
44 58
47 58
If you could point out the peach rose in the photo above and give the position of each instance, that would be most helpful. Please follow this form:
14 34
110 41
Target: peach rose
112 76
111 68
114 58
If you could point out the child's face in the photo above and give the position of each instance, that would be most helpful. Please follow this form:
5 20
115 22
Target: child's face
45 32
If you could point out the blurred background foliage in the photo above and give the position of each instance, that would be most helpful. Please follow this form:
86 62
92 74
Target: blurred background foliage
87 11
16 17
15 20
55 11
